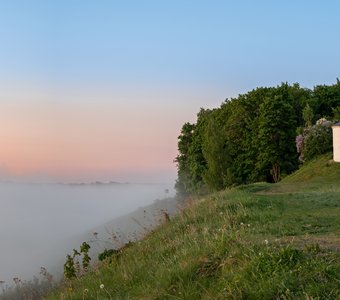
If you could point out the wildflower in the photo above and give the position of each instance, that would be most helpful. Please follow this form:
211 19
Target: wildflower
248 225
266 242
241 224
102 286
86 291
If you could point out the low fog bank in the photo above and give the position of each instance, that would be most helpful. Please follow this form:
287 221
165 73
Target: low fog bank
119 231
131 227
41 224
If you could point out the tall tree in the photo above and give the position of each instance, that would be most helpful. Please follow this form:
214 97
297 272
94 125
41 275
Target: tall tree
196 161
183 171
215 149
276 137
307 115
191 163
325 99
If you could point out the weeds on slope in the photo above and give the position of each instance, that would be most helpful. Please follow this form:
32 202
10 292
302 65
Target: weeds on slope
237 244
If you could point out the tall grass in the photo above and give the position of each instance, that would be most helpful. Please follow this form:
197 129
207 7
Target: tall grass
259 241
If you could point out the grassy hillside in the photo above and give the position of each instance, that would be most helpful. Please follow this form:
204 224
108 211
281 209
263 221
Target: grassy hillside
260 241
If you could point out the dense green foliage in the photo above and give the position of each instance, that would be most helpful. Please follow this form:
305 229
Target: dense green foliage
257 241
276 134
252 137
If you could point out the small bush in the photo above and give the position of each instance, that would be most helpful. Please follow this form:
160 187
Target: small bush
106 254
72 268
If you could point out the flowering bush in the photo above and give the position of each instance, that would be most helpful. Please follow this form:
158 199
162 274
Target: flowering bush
324 122
299 145
315 140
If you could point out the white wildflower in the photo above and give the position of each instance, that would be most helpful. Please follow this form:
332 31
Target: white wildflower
266 242
102 286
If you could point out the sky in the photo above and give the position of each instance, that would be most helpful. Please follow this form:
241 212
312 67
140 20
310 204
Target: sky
99 90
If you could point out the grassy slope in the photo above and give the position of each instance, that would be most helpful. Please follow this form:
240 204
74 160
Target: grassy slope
259 241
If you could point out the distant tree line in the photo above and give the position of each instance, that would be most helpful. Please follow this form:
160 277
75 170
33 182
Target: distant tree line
252 137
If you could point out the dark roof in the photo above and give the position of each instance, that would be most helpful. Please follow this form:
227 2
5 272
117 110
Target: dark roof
337 124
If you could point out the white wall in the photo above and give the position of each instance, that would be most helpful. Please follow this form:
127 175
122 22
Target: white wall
336 143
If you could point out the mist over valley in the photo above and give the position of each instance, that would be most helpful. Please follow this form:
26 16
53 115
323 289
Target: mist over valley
41 223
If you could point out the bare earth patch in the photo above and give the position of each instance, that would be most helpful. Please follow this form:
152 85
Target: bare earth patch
329 241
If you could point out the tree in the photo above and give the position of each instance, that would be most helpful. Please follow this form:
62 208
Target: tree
196 161
191 163
276 137
325 99
183 172
307 115
215 150
336 113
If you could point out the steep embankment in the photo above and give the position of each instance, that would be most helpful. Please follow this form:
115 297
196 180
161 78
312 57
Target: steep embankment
260 241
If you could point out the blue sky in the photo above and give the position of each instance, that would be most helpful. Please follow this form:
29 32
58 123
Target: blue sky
168 57
237 44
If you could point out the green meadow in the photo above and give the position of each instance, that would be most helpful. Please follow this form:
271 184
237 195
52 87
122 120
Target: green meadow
258 241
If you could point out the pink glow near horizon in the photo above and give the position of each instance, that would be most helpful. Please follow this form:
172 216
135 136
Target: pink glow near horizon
91 137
